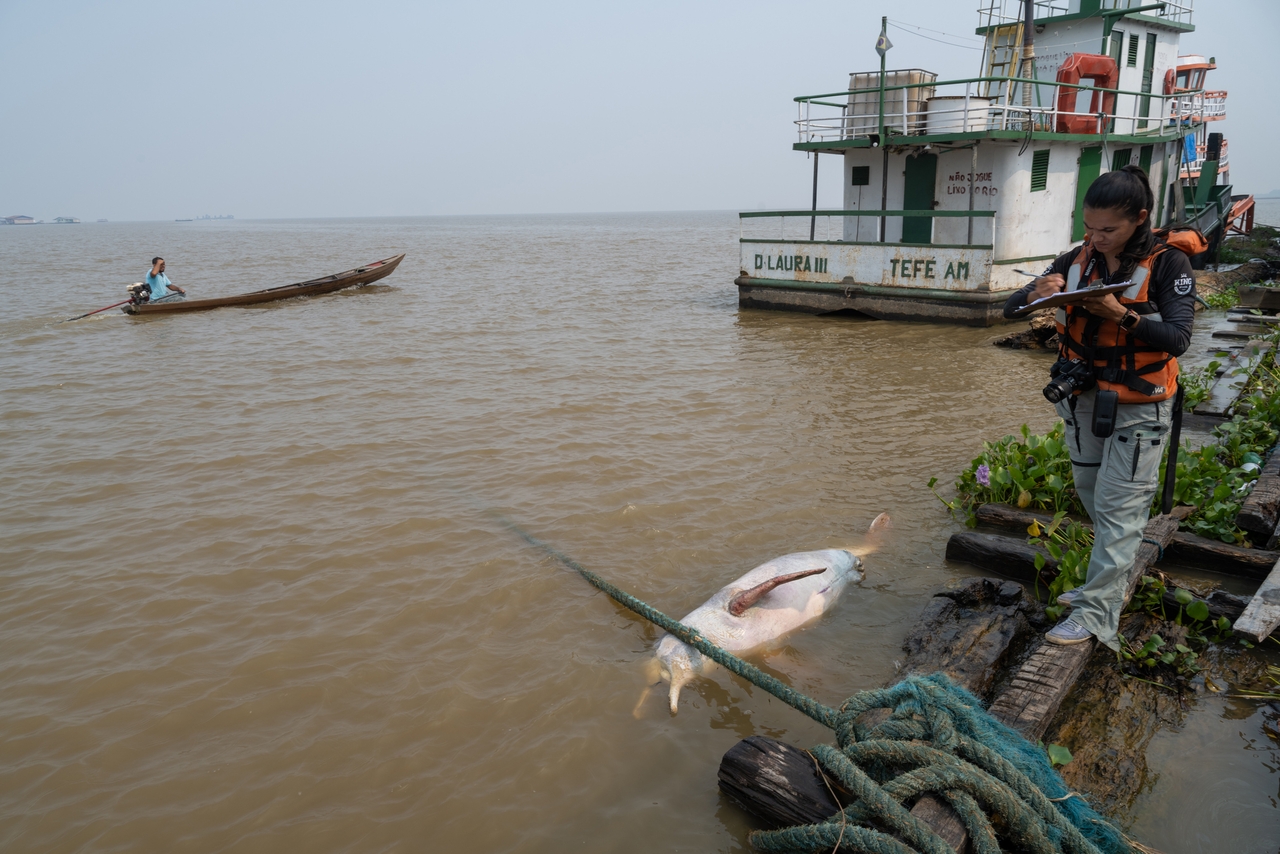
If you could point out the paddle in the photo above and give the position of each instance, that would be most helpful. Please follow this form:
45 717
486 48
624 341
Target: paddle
113 305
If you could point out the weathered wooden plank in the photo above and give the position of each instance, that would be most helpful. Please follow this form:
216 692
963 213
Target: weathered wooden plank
1258 296
1226 389
1262 615
1261 508
1199 552
1040 686
1042 683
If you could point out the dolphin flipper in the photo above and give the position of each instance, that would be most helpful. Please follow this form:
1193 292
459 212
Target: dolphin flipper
739 604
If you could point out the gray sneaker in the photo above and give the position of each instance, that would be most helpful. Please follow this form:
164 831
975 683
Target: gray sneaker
1069 598
1068 632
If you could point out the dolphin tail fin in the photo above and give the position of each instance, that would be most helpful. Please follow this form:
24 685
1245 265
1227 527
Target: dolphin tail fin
877 533
739 604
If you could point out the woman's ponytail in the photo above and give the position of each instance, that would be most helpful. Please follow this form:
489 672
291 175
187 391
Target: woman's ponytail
1128 191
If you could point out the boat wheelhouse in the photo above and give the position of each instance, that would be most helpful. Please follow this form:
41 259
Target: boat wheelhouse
951 187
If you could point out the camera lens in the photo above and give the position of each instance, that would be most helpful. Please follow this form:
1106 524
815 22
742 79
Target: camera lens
1056 390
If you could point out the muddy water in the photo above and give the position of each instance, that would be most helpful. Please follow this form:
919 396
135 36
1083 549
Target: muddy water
250 598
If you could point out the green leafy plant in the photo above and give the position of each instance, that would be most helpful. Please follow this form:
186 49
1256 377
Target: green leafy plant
1223 299
1196 384
1070 544
1058 755
1026 470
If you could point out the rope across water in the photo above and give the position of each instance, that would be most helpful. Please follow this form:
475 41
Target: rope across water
937 739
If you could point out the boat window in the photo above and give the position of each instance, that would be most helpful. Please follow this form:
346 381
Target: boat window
1133 51
1040 170
1121 158
861 176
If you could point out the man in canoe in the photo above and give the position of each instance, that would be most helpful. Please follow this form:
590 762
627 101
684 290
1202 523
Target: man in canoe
160 284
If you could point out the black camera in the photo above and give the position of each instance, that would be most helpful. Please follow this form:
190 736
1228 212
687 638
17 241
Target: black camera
1069 375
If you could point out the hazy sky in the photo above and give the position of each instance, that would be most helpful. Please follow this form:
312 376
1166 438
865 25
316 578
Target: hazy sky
150 110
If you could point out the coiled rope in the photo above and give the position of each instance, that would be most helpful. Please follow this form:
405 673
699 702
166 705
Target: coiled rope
937 740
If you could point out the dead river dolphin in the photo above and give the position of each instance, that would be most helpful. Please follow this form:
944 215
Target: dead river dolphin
774 598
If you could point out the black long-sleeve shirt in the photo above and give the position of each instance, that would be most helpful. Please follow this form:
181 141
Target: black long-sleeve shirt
1171 291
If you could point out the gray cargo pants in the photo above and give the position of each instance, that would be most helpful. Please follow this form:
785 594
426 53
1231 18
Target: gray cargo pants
1116 479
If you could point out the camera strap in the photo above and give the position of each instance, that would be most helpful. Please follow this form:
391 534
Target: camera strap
1171 466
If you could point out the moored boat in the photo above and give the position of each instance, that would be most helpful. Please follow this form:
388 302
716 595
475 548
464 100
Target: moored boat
365 275
951 187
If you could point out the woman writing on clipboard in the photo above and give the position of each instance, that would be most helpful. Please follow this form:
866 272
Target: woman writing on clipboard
1115 383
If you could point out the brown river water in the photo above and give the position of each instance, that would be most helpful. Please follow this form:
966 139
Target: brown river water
251 598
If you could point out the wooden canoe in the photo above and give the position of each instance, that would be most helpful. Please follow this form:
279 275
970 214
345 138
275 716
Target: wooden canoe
349 279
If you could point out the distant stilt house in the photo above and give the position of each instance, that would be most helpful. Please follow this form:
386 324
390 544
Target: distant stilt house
65 219
18 220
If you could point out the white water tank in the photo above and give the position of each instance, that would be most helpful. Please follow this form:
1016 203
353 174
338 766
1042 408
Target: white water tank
947 114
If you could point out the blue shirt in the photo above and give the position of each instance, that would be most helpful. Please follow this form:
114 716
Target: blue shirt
159 285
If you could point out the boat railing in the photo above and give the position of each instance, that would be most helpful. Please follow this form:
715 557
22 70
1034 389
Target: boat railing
1203 106
1001 13
952 107
804 223
1191 168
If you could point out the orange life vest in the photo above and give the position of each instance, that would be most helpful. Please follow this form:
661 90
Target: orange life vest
1121 361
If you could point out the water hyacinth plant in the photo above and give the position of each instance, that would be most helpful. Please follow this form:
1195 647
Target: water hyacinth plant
1025 470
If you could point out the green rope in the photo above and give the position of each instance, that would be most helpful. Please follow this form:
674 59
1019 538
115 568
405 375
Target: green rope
937 740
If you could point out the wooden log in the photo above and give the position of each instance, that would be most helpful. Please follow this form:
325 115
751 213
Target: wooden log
1222 558
778 783
1010 557
1262 615
1190 549
1261 508
970 630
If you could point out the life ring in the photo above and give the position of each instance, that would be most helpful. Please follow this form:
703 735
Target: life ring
1170 80
1104 73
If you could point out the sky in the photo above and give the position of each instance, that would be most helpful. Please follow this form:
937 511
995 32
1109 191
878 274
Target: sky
136 110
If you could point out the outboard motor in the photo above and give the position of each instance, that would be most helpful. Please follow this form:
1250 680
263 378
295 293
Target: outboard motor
139 293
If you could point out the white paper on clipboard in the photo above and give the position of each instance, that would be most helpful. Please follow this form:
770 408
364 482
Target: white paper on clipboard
1068 297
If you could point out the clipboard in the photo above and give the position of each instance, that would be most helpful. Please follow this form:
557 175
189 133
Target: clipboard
1069 297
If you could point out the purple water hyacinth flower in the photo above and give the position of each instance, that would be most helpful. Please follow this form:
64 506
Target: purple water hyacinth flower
984 475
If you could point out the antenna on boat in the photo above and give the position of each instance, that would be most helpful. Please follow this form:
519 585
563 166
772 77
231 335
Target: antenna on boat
1028 54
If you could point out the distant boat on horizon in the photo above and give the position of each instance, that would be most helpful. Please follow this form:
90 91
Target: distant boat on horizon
183 220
